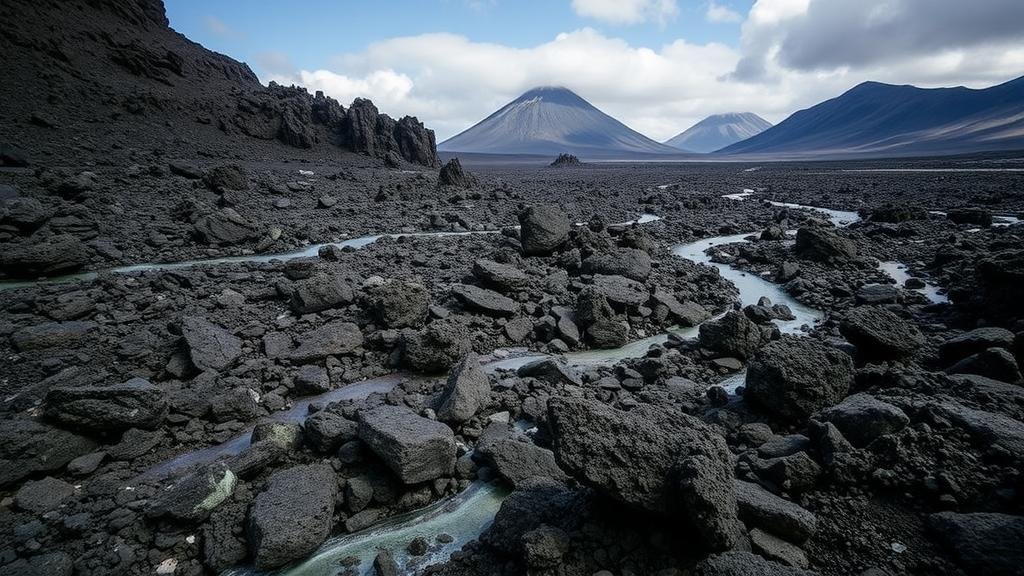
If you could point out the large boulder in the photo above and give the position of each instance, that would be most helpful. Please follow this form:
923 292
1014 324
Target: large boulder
733 335
327 430
628 262
504 277
41 496
437 347
759 507
997 279
194 496
209 346
30 447
995 363
983 542
415 448
293 516
25 214
823 244
134 404
224 227
974 341
398 304
792 378
543 229
875 294
226 177
862 418
621 290
320 292
741 563
598 321
970 215
649 458
48 257
682 313
534 503
483 300
332 339
551 370
989 429
519 460
879 334
467 390
452 174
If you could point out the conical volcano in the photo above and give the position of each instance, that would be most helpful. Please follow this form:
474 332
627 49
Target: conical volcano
718 131
551 121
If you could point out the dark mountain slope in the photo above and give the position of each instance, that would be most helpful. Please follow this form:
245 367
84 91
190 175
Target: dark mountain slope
879 119
83 78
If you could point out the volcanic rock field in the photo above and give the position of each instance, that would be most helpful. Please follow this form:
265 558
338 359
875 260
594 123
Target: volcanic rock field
248 330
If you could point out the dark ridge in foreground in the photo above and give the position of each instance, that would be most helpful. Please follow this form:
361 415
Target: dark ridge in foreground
112 75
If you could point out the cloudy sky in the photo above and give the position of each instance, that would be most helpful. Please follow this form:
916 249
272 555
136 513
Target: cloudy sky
657 65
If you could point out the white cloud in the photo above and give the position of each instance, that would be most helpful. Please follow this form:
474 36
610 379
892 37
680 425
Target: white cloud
451 82
387 88
721 14
627 11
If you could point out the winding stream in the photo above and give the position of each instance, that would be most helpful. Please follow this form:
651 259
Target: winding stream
466 515
463 517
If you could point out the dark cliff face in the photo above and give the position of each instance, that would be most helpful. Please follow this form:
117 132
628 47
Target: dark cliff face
84 76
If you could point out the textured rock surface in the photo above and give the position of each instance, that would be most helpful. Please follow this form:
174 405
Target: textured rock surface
135 403
862 418
983 542
335 338
543 229
759 507
414 448
732 335
193 497
879 334
466 391
293 516
823 244
209 346
655 460
793 377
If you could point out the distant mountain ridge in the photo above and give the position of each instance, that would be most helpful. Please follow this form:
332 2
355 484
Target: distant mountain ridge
552 120
718 131
875 119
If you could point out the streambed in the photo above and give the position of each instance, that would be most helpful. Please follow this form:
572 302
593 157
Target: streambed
466 515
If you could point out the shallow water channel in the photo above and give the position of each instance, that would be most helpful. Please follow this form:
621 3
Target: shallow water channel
465 516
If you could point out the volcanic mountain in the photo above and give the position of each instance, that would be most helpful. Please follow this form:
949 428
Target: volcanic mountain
550 121
718 131
874 119
109 78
